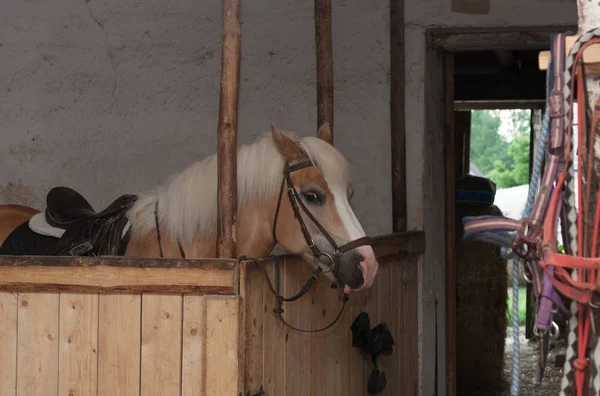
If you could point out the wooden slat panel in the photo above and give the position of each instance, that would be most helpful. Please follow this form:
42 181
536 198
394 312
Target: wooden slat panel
273 337
8 344
326 363
78 349
37 352
221 356
324 305
297 346
254 305
119 345
192 376
387 301
101 279
410 318
161 344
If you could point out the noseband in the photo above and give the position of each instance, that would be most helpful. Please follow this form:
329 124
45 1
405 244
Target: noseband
297 203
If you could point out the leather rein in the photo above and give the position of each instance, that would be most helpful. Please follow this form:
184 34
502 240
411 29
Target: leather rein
334 258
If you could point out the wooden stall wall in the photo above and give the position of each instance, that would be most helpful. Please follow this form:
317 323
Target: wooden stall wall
286 362
73 344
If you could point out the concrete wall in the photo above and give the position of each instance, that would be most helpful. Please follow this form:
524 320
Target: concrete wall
114 96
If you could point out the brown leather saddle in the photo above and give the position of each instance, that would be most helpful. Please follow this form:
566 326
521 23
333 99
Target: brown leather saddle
87 232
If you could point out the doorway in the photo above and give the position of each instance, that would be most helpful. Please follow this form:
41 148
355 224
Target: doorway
482 85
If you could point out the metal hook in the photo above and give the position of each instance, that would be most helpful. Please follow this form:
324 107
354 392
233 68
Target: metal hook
526 273
554 330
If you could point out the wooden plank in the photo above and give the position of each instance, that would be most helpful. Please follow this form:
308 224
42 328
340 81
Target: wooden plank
397 113
450 151
110 261
462 133
192 379
324 62
483 38
410 318
8 344
274 335
255 310
37 351
399 244
227 130
221 354
119 341
104 279
78 344
324 305
591 55
297 347
242 292
161 344
387 301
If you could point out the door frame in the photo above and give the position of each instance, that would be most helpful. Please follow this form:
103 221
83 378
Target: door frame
442 43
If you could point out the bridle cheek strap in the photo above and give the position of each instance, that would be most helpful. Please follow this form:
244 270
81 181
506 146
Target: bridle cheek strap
297 203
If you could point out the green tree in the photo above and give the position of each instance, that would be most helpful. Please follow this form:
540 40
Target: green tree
519 151
487 146
503 161
501 175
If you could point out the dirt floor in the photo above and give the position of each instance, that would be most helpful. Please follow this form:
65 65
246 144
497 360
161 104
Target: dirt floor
529 351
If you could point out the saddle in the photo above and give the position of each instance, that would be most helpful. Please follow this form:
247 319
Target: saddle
87 232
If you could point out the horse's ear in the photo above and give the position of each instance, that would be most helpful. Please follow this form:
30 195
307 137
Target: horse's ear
286 146
324 133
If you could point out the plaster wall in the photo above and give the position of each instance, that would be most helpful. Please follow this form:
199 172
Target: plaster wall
112 97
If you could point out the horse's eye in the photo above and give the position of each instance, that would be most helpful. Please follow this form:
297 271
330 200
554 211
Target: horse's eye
313 197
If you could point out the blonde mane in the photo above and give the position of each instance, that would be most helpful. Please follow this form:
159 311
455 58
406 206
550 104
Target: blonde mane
187 203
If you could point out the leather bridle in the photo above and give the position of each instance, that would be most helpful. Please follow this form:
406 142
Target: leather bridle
297 203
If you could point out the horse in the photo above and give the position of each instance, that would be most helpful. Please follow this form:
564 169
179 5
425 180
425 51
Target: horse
312 219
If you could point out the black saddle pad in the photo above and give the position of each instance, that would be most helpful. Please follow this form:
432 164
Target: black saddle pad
24 242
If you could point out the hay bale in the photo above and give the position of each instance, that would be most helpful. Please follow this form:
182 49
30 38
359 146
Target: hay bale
481 322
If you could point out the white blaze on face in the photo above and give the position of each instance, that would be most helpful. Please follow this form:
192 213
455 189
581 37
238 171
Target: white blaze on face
355 231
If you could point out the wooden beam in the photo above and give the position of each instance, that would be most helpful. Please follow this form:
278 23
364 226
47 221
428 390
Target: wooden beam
462 138
484 39
499 104
227 130
324 53
115 274
398 127
525 86
591 55
449 224
399 244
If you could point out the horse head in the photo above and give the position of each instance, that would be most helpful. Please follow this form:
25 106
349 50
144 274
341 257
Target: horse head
314 217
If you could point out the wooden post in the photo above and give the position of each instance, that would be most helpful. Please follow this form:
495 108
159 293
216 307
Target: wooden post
324 52
227 130
398 131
